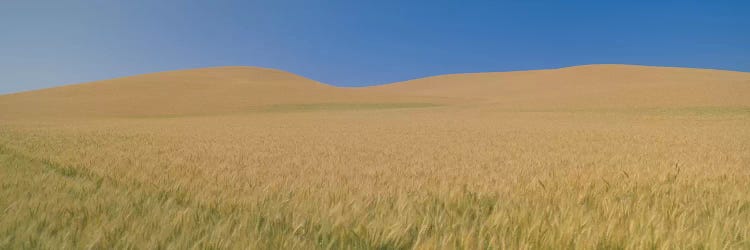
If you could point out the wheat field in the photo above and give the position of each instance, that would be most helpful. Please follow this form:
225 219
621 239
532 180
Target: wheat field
591 157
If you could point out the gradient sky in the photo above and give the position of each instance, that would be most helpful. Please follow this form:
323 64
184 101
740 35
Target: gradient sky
352 43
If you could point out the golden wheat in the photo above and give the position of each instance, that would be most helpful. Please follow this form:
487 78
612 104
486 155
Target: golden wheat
393 174
410 178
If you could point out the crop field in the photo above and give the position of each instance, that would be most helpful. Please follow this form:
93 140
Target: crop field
357 174
425 178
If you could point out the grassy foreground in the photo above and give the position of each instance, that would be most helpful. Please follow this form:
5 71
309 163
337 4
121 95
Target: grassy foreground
387 179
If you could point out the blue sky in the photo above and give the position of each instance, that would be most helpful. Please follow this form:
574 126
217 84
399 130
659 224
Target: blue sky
355 43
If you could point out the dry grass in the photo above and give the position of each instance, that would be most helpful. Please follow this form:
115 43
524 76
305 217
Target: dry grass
393 176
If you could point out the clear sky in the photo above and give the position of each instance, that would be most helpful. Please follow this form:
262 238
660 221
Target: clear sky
45 43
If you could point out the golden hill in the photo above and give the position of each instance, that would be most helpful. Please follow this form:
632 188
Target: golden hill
237 89
589 86
195 91
174 92
625 157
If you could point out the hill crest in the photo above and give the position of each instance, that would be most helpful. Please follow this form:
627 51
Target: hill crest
237 88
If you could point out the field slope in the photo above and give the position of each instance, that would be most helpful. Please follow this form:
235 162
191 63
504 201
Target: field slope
217 90
586 157
222 90
589 86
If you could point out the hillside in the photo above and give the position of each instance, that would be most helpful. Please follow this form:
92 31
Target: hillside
588 157
588 86
237 89
181 92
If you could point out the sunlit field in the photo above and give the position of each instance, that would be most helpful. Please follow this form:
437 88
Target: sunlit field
427 177
415 174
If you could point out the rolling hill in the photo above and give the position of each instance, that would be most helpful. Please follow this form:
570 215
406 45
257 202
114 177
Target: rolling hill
236 89
588 86
587 157
205 90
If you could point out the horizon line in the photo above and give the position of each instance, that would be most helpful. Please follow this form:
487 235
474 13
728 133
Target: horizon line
370 85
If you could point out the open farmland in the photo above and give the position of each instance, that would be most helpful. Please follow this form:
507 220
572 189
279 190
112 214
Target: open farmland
589 157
